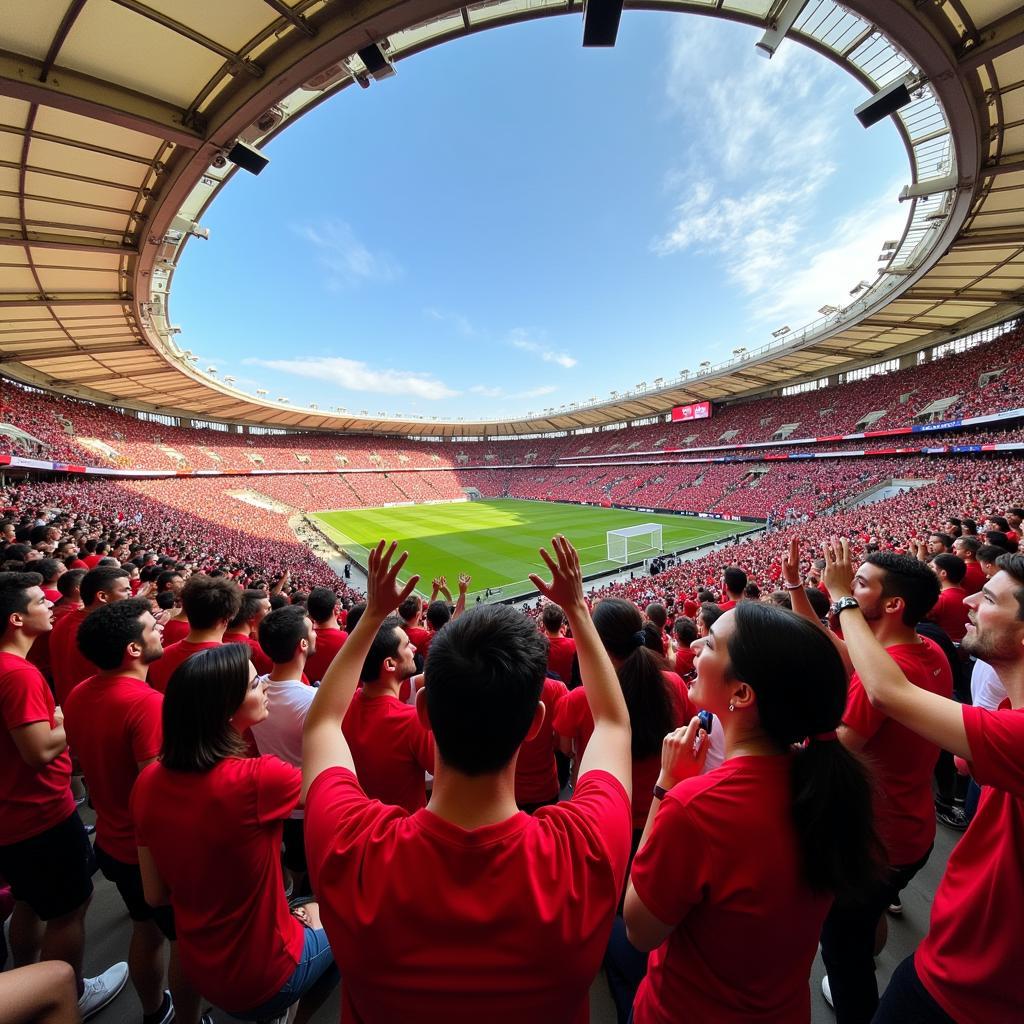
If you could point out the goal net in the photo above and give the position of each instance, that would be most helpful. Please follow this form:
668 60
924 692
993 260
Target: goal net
634 542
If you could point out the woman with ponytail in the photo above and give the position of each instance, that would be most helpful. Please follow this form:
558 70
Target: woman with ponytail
738 867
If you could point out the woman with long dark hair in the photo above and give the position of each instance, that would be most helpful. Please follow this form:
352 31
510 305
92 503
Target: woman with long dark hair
737 868
209 821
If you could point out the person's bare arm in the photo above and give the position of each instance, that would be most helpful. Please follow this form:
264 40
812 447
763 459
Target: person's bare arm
939 719
323 742
609 746
279 586
38 744
153 887
460 605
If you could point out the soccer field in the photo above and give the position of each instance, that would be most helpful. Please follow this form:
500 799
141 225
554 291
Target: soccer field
496 542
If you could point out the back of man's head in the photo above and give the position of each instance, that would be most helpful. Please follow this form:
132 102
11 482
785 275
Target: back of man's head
208 600
385 645
321 604
483 680
282 631
909 578
69 582
656 614
102 580
410 609
105 633
955 568
552 618
248 609
438 614
735 580
49 569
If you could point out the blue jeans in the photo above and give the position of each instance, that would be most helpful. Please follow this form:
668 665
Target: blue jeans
624 967
316 962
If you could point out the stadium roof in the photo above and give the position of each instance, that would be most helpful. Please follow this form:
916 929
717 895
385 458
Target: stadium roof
116 115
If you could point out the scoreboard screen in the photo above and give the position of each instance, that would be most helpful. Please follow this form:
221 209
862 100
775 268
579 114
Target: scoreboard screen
696 411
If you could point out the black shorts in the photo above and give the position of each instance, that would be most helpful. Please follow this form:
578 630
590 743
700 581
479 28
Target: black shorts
51 872
128 879
294 845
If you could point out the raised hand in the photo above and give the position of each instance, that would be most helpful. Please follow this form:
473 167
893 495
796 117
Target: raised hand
383 591
791 563
566 586
464 581
838 576
683 753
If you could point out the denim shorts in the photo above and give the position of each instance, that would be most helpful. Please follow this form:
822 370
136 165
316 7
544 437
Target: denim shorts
316 961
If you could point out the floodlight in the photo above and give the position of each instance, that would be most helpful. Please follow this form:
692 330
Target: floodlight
377 64
601 22
247 157
890 245
262 391
828 310
886 101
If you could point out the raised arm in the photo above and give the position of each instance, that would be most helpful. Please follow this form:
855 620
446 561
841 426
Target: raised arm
323 743
939 719
460 606
609 746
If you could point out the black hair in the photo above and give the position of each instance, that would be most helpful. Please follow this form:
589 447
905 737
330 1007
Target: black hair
164 578
410 608
989 553
106 632
735 579
14 588
48 568
69 581
819 602
204 691
438 614
909 578
800 684
99 579
971 544
1000 521
970 527
484 679
685 630
645 689
247 608
709 613
355 613
281 631
1013 566
657 614
998 539
945 539
953 566
752 592
208 600
552 618
321 603
385 645
298 597
165 601
278 601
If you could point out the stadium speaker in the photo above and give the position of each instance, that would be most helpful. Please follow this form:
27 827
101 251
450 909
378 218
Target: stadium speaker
601 22
885 102
249 159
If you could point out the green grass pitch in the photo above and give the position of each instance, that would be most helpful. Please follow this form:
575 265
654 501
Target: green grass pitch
497 541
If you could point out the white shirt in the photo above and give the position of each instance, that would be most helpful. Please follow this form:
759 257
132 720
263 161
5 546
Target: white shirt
987 690
280 733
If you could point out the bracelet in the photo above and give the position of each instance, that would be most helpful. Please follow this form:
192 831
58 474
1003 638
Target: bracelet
791 586
660 793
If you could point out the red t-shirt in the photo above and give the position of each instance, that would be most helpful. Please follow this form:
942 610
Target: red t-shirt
420 638
91 561
577 723
561 651
536 768
974 578
175 630
328 643
261 662
390 748
68 664
729 907
727 605
113 725
160 671
429 922
215 837
970 960
32 800
684 661
950 613
903 761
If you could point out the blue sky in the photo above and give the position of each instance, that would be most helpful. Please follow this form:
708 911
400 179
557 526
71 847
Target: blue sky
513 223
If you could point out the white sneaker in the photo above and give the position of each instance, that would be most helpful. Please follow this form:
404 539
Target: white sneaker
102 989
826 991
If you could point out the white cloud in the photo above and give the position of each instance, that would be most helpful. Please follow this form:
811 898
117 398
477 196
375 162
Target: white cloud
347 260
520 339
358 376
461 323
490 391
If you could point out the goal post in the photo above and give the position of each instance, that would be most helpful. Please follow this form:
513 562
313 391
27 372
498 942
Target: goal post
634 542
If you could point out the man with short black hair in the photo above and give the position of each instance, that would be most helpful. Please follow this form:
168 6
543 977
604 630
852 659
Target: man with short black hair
508 914
44 852
966 549
99 586
112 719
939 543
244 628
210 603
950 612
391 748
893 592
411 614
561 648
323 610
734 581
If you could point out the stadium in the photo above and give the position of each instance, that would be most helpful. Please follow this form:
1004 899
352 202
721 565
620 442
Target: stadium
894 419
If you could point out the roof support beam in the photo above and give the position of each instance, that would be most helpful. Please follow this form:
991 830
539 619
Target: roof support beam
66 300
1000 37
63 352
66 242
1008 164
22 78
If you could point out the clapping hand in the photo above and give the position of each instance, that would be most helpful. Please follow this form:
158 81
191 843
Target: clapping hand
464 581
791 563
383 591
566 586
838 568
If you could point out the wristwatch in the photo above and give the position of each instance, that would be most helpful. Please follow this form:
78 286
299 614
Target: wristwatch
842 604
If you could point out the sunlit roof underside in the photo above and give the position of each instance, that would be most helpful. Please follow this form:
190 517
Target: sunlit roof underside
112 111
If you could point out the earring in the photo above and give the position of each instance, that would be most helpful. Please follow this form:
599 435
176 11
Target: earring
732 707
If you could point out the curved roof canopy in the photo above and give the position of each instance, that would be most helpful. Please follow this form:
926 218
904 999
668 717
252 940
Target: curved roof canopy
116 116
